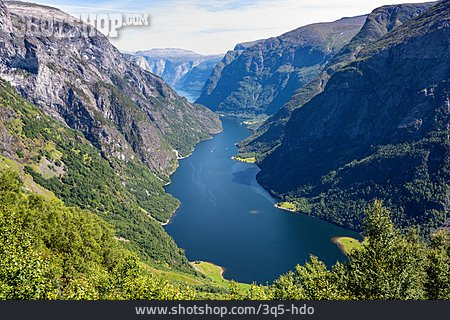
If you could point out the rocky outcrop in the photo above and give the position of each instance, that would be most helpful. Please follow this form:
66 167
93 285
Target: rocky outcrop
380 129
79 78
140 61
5 21
259 77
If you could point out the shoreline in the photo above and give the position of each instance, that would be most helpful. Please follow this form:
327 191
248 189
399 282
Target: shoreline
276 205
343 248
187 156
165 223
177 153
244 160
178 165
335 240
197 262
171 217
181 158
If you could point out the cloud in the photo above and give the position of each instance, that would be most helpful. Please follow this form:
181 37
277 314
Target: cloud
215 26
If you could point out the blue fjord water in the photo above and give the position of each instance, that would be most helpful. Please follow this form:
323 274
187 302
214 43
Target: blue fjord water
227 218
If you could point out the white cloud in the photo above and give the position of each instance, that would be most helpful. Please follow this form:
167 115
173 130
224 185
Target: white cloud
216 26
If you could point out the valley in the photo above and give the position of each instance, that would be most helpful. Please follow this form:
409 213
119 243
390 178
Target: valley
309 165
227 218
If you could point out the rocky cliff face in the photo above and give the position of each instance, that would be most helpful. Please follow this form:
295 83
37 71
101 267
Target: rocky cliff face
184 70
82 80
379 22
259 77
380 129
139 60
5 21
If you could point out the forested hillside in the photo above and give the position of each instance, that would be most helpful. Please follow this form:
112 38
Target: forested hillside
50 251
50 156
388 266
81 123
380 129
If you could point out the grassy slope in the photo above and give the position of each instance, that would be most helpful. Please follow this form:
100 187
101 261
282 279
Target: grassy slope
211 285
245 160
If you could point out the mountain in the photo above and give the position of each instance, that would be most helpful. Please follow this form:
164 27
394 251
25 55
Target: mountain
80 123
87 83
100 243
379 22
380 129
184 70
55 161
259 77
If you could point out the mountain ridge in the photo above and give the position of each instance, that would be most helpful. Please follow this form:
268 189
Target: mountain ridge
259 77
378 130
82 124
136 114
379 22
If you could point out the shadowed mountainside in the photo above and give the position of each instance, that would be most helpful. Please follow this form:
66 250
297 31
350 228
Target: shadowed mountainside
380 129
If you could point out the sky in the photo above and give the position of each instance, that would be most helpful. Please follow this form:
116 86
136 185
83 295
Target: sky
215 26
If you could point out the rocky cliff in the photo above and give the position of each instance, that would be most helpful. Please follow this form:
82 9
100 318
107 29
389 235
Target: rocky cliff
380 129
259 77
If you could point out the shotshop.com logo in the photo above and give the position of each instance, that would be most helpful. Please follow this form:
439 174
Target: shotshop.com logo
79 25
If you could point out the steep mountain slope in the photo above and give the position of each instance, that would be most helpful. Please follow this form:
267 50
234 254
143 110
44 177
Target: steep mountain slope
114 133
259 77
79 78
379 129
184 70
50 156
50 251
380 21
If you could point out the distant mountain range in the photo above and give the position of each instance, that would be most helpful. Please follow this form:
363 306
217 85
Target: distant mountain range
184 70
259 77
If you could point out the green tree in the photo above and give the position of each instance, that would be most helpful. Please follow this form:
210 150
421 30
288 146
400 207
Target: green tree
389 266
23 272
50 251
438 267
258 292
313 281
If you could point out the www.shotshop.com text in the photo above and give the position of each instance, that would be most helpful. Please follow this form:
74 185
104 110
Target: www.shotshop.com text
261 309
